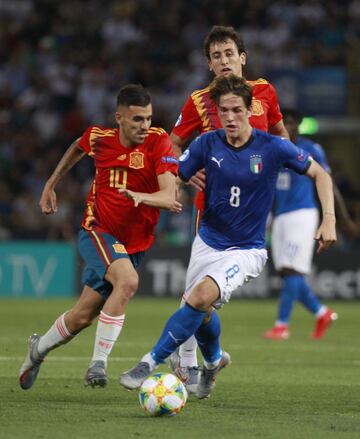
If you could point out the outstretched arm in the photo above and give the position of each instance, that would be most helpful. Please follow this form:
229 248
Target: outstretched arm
164 198
326 233
72 155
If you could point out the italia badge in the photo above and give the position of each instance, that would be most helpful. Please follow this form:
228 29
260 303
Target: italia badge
255 164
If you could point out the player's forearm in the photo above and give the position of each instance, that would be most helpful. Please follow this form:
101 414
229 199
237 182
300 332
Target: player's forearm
279 130
178 144
72 155
325 192
163 199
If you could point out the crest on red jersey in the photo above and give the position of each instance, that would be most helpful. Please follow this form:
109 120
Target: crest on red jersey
256 108
136 160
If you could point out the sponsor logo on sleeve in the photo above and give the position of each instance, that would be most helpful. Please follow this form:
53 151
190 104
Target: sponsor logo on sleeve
169 159
301 155
185 155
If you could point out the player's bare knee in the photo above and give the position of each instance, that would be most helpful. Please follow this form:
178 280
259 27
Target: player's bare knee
200 297
126 288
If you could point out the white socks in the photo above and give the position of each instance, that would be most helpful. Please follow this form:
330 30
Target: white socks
57 335
147 358
213 365
107 332
321 311
187 351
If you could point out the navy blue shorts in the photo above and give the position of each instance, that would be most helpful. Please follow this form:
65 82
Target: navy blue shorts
99 250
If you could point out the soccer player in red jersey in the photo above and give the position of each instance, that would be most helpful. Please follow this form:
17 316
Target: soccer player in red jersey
226 54
135 176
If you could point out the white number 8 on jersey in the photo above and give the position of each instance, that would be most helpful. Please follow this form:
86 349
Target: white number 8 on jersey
234 196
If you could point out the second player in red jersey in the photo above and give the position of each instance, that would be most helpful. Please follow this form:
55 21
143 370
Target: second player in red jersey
226 54
200 114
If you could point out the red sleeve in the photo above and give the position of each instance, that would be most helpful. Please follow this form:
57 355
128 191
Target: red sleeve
164 158
274 115
84 142
188 121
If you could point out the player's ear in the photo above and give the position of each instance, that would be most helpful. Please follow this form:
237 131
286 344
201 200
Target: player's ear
243 58
210 66
118 117
249 111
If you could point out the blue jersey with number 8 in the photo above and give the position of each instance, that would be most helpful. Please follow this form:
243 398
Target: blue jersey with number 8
240 184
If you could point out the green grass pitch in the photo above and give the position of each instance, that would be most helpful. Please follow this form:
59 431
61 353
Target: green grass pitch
299 388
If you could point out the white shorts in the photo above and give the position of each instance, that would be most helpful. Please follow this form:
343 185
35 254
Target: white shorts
292 240
229 268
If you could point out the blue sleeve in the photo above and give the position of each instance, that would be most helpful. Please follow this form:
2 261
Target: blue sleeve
290 156
192 159
319 155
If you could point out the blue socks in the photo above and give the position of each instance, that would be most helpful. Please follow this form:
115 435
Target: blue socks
295 288
308 298
180 326
208 340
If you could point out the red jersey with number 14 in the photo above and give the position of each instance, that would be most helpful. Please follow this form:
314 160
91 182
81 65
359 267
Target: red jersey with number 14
135 168
200 114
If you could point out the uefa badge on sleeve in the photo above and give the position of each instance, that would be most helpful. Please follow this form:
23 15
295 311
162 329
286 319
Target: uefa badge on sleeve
255 164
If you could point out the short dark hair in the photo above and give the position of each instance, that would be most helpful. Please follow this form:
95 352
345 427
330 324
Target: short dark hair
292 113
220 34
222 85
133 94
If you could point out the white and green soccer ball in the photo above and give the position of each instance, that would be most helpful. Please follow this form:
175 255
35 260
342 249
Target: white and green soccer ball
162 394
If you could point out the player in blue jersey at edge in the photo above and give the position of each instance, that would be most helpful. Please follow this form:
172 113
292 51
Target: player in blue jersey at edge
241 165
296 217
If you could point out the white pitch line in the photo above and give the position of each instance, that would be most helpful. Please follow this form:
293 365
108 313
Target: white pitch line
71 359
125 359
280 345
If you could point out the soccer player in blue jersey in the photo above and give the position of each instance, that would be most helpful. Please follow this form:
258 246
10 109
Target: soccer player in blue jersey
241 165
296 217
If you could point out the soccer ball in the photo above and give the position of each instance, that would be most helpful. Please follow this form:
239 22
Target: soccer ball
162 394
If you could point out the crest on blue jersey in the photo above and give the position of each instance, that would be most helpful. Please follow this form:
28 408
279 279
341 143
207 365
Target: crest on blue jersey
256 164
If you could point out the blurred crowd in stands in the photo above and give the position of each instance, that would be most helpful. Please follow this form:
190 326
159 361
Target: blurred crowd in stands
62 63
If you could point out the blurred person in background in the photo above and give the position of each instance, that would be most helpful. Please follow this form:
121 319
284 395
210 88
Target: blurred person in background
296 218
117 228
